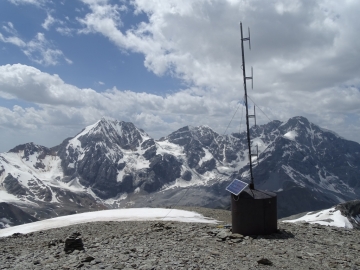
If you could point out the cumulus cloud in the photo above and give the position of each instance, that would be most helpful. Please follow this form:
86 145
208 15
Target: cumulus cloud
57 103
62 104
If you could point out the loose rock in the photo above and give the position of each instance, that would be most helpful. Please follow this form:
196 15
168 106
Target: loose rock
164 245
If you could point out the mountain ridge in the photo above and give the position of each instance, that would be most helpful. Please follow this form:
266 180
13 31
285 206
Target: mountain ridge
115 164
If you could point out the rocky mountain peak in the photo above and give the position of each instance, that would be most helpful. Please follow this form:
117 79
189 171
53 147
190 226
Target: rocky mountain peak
204 134
185 135
28 149
181 136
110 132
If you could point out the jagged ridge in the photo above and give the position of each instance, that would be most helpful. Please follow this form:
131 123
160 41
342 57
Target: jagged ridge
114 163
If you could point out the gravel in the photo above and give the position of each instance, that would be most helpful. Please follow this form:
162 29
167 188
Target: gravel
177 245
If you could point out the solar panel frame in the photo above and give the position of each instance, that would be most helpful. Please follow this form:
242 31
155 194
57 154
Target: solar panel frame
236 187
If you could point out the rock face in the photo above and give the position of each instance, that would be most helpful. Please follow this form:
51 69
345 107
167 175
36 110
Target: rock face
115 164
165 245
11 215
114 157
351 210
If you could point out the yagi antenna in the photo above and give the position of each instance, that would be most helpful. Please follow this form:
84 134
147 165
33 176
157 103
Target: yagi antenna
246 101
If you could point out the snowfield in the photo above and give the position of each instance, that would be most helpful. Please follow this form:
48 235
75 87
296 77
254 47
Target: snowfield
128 214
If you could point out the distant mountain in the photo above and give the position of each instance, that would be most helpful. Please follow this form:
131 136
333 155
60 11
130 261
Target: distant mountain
115 164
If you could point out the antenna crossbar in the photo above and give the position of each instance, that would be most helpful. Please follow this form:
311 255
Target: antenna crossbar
253 116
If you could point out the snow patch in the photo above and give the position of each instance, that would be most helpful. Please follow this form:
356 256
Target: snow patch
6 197
169 148
208 156
128 214
290 135
328 217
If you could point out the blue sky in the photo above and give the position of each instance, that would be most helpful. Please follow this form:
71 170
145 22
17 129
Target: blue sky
95 62
165 64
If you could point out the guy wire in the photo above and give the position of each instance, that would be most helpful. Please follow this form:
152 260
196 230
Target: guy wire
232 118
259 108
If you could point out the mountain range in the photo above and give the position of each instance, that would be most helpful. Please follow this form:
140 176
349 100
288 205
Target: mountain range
114 164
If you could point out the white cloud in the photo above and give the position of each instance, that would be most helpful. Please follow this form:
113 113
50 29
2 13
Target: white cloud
13 40
39 49
32 2
57 103
48 22
61 105
9 27
65 31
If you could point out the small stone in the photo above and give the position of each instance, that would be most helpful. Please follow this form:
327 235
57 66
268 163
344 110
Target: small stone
238 240
87 259
265 261
16 235
146 267
52 243
215 253
236 236
222 235
119 266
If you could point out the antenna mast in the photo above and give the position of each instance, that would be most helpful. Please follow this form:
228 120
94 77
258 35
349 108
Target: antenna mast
246 101
253 211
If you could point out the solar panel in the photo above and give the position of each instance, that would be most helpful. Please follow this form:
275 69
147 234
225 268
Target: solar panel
236 187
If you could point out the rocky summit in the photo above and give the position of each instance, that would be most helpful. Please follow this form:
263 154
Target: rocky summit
172 245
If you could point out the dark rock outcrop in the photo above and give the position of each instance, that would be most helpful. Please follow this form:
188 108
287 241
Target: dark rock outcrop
351 210
11 215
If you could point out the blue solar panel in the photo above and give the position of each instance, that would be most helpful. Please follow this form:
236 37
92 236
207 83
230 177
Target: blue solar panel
236 187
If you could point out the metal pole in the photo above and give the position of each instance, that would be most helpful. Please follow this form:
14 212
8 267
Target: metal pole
246 106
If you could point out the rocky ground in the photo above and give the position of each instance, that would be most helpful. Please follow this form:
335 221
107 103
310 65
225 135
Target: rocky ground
175 245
